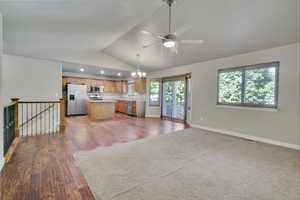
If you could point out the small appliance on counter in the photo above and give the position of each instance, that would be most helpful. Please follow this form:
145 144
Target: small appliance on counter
76 99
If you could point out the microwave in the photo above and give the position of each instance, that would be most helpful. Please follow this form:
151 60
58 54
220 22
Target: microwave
97 89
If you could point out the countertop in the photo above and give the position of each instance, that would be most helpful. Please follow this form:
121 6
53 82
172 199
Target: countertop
103 101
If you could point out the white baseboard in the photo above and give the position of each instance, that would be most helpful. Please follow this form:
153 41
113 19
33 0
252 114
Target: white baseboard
250 137
153 116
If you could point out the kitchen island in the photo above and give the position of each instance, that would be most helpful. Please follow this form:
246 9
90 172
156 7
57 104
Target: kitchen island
101 109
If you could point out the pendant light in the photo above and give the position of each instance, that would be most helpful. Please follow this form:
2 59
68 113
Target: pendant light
138 73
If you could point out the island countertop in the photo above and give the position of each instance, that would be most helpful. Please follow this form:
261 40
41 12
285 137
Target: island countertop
102 101
101 109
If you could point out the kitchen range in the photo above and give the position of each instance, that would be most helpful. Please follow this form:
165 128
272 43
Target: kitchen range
84 97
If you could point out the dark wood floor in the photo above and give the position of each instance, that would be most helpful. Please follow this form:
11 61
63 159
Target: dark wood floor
43 167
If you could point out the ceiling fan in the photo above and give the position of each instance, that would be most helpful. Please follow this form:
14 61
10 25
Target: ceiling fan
171 40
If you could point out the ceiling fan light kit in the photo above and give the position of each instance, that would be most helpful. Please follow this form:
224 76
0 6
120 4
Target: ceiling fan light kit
169 41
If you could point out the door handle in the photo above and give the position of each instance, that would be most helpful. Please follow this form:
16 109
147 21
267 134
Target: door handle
72 97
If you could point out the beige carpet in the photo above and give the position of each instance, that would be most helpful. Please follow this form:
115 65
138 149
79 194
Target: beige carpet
192 165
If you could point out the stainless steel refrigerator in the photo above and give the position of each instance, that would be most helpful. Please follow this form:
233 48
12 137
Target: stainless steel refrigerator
76 99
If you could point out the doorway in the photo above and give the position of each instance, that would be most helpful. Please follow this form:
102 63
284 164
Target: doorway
174 98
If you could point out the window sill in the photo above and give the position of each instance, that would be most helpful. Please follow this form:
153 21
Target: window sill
154 105
248 108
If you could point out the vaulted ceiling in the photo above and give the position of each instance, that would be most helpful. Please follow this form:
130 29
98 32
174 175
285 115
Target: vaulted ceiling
62 28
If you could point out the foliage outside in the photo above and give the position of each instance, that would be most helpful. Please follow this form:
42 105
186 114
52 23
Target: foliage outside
154 92
230 87
174 86
259 88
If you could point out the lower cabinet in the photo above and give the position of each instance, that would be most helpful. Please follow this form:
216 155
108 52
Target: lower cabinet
121 106
137 108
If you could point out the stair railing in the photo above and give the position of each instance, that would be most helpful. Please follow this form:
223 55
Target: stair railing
31 118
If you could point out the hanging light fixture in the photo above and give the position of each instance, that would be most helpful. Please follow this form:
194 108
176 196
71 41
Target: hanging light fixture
138 73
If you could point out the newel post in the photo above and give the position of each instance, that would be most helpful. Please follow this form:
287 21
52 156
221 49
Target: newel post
16 114
62 116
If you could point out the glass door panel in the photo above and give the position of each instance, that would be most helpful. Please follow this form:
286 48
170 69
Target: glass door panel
173 101
179 100
167 108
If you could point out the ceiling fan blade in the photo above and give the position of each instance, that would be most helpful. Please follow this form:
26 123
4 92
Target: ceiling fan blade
149 45
162 54
191 41
153 34
182 30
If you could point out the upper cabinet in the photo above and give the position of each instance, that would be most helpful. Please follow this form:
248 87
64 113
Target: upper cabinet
140 85
74 80
96 82
110 86
124 86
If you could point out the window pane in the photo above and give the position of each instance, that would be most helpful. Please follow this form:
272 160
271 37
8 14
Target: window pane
180 91
230 87
154 97
260 86
154 88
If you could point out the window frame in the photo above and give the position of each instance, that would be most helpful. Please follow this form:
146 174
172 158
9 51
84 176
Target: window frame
243 70
159 93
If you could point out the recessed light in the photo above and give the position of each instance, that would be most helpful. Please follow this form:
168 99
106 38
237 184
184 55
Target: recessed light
119 74
101 72
81 69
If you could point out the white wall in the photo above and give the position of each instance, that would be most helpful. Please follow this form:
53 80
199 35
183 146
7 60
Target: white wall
31 79
81 75
96 59
282 126
1 97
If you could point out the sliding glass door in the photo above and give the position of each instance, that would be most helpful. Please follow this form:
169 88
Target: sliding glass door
174 99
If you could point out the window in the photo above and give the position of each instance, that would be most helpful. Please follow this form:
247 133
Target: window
254 86
154 94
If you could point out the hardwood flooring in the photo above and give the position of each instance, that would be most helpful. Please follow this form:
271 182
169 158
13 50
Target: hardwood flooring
42 168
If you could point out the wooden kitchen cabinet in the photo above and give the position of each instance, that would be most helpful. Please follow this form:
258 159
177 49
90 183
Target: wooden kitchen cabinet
118 86
75 80
138 107
117 106
140 85
99 83
121 86
124 86
110 86
94 82
122 106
